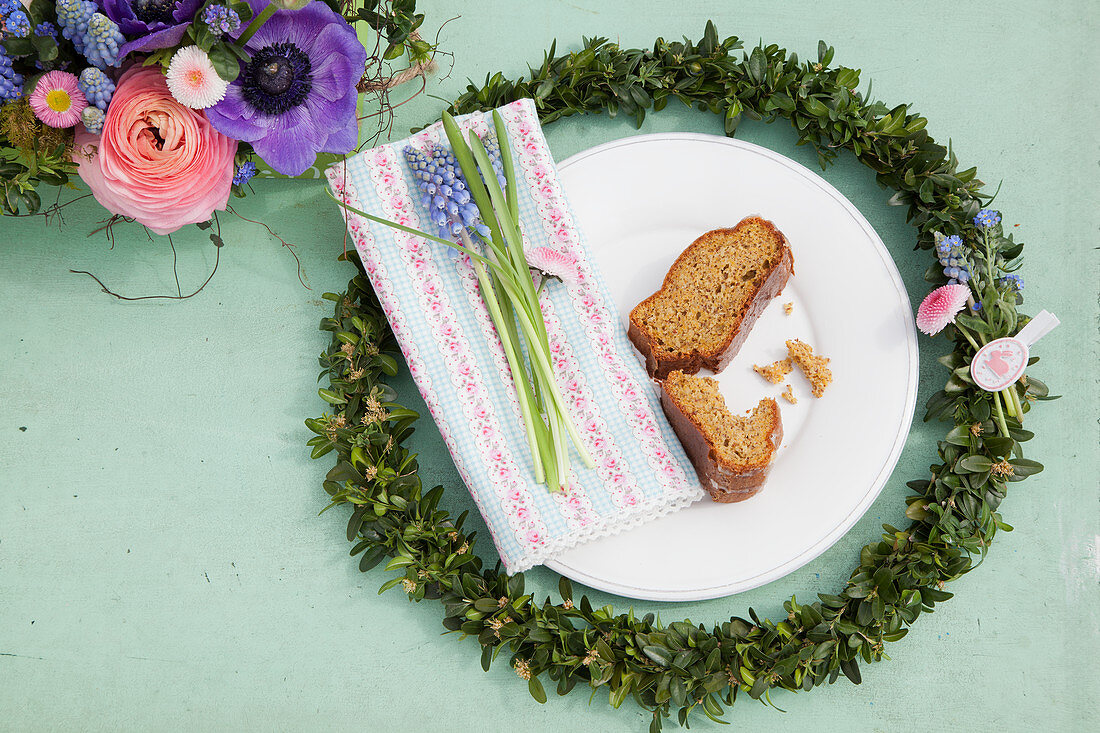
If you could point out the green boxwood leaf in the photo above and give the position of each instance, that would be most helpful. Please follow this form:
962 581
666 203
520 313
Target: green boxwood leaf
975 464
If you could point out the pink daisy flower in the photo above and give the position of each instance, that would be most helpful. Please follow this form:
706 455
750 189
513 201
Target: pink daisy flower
57 100
193 80
554 263
940 307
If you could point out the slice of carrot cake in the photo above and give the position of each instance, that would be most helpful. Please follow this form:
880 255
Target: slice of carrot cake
731 454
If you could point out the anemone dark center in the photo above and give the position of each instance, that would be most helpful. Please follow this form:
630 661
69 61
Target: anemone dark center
277 78
154 11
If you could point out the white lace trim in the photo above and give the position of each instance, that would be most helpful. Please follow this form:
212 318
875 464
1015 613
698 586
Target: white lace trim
647 511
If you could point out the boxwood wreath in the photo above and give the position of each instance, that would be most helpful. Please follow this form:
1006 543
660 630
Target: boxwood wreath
684 666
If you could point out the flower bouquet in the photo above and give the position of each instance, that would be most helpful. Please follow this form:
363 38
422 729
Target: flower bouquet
470 192
166 108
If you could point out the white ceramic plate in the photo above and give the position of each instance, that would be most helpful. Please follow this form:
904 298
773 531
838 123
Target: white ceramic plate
641 201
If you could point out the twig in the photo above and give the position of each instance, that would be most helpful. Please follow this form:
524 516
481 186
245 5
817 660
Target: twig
217 258
53 210
285 243
175 271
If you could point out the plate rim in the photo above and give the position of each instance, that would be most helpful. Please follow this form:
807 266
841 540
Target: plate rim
837 532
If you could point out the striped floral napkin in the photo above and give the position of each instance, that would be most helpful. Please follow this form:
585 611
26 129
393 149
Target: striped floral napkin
432 302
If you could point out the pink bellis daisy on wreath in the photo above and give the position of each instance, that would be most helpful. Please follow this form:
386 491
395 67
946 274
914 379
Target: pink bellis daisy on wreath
166 108
685 668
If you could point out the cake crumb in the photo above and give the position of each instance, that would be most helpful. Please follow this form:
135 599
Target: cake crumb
788 308
813 367
789 396
775 372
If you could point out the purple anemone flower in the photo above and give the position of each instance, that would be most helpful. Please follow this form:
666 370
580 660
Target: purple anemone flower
296 96
152 24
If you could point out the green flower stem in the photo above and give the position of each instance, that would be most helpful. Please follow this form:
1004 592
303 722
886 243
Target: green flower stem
1001 422
502 219
1016 405
254 25
1010 404
519 376
409 230
561 449
969 338
540 361
506 163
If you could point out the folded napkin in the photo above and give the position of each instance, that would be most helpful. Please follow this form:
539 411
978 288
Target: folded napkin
445 333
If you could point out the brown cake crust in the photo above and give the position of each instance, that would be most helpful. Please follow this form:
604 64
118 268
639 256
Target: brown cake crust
659 363
724 483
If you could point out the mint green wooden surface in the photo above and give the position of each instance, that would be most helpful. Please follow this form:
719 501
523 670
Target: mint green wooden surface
162 564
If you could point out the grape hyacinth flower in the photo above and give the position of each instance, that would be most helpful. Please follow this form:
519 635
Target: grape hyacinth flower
444 192
97 88
74 16
492 147
245 172
11 83
103 41
221 20
987 218
17 24
950 254
93 119
296 96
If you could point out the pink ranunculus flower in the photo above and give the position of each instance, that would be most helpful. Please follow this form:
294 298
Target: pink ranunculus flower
156 161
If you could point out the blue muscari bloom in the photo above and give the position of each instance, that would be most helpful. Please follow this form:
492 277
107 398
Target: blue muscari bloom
17 23
1013 283
102 41
949 253
11 83
492 147
93 119
987 218
46 29
74 16
244 174
221 20
443 191
96 87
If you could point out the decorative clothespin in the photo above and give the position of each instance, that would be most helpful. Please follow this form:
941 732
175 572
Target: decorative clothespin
1000 363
